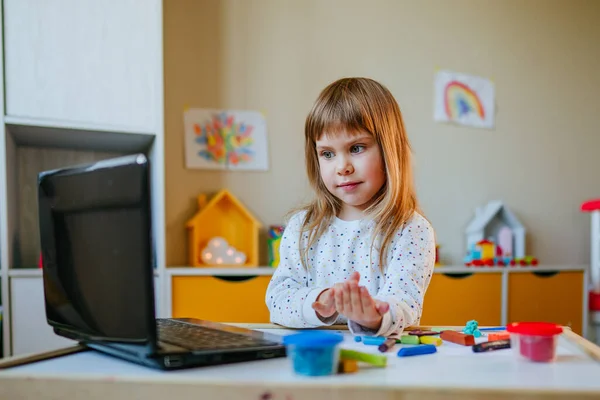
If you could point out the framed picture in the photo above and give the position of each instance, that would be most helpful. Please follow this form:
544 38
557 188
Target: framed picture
464 99
225 139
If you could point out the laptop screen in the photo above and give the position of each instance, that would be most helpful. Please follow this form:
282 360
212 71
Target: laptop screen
95 234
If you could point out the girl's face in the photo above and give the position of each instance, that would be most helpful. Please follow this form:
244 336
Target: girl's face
352 169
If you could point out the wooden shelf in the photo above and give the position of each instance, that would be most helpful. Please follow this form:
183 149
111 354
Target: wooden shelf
201 271
446 269
32 272
24 272
66 135
539 268
82 126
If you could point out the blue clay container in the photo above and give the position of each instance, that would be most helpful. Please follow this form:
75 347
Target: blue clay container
314 353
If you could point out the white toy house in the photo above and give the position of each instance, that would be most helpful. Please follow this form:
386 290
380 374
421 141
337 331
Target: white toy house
496 223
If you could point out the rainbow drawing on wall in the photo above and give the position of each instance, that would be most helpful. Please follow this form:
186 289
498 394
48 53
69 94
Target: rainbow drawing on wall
464 99
461 100
225 139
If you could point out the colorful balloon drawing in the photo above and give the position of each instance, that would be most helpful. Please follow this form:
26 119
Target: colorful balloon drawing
225 140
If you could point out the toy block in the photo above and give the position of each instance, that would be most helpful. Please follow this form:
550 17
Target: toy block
498 336
420 332
387 345
417 350
369 358
491 346
347 366
458 338
409 339
431 340
373 340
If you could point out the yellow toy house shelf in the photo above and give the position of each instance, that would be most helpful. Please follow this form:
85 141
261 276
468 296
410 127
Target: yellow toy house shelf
223 217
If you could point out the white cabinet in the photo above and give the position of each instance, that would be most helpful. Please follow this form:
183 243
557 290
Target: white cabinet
85 61
82 80
30 331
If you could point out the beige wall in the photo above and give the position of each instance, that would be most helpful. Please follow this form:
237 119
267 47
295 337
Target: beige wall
276 55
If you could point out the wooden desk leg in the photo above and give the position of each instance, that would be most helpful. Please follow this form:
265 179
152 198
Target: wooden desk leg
15 361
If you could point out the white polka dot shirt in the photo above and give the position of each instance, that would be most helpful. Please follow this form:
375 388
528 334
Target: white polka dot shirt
345 247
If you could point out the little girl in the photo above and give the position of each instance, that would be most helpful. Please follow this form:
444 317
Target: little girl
361 252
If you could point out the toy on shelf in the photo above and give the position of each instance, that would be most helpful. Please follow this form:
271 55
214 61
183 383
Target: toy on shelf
218 252
496 237
225 219
489 254
273 241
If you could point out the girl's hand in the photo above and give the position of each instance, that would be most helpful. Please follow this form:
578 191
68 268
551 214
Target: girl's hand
324 305
356 304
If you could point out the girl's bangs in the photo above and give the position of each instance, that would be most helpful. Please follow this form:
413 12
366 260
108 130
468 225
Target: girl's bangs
337 115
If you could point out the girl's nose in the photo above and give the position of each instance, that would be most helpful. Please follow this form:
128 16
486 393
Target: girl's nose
345 167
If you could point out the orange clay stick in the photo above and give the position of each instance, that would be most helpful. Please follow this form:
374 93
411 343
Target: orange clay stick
458 338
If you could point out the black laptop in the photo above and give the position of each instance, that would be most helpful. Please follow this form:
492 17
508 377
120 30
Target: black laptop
98 263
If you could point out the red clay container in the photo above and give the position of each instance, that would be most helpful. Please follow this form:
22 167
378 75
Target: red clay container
534 341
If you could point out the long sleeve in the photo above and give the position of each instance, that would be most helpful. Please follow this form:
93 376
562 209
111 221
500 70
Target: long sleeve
289 297
411 260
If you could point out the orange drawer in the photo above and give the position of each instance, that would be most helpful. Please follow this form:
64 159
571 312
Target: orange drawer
551 297
220 298
455 299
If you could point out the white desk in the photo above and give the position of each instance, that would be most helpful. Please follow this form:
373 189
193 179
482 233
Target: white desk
454 372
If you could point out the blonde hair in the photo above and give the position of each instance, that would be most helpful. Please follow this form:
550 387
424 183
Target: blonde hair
360 105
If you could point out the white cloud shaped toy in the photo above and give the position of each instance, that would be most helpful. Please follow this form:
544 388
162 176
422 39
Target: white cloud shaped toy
219 252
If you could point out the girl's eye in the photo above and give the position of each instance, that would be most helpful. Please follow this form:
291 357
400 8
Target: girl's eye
327 154
357 148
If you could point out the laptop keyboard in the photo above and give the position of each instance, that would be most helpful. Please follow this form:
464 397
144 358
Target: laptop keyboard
196 337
